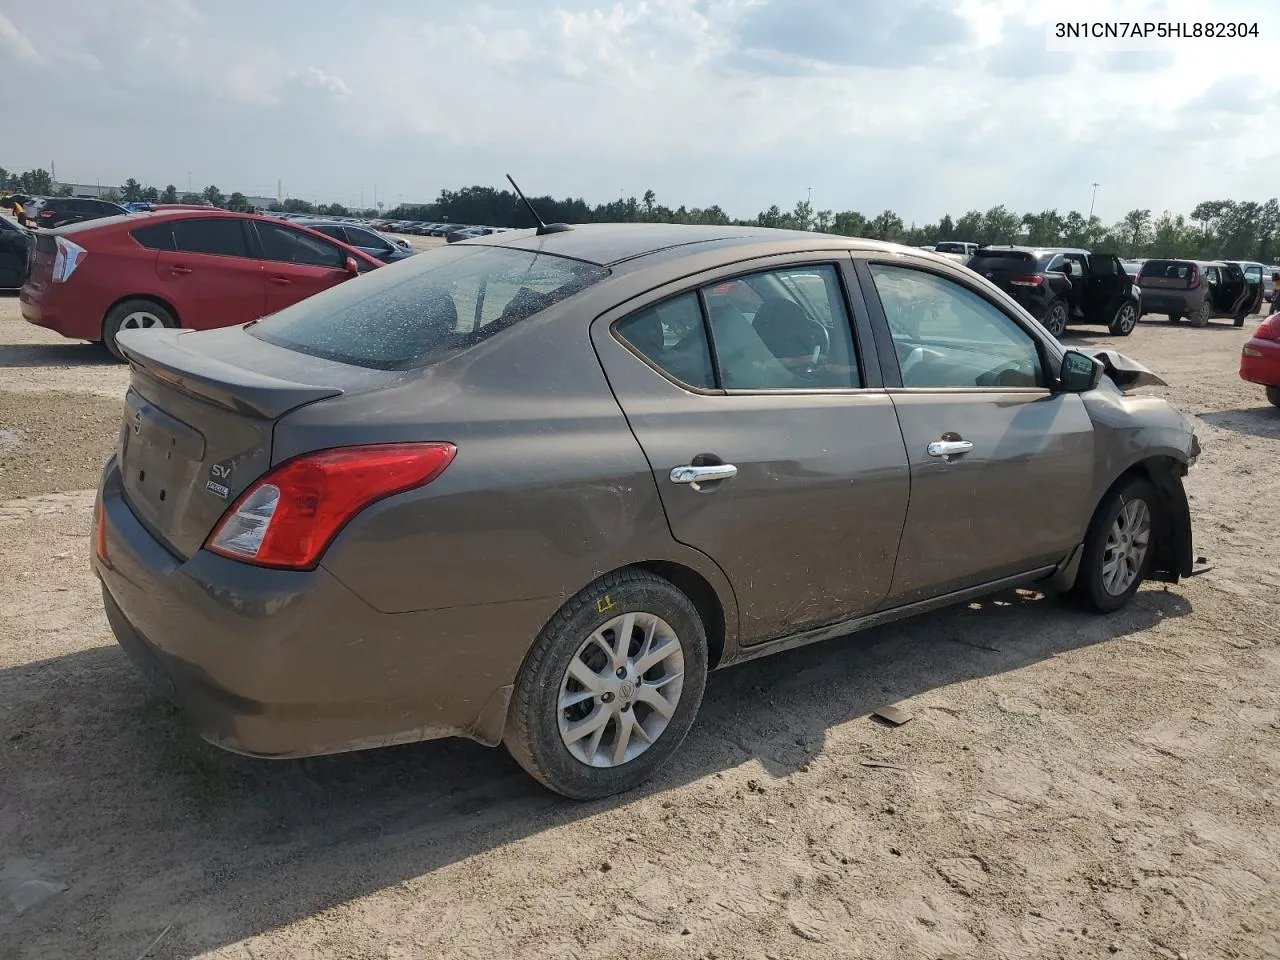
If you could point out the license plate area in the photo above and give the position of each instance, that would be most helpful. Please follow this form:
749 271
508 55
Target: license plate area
160 457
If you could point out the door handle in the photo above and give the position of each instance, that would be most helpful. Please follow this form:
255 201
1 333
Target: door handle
180 270
281 281
946 449
695 475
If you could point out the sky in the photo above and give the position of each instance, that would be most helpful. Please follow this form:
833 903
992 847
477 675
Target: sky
920 106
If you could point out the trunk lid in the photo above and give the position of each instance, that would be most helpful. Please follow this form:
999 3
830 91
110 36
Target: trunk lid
199 418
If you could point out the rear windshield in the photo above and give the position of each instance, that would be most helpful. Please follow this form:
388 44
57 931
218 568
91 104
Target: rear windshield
1002 261
410 314
950 247
1168 269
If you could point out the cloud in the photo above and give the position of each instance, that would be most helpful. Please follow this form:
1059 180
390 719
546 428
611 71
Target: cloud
313 78
14 41
745 103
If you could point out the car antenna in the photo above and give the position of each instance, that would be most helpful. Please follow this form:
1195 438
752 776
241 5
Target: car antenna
543 228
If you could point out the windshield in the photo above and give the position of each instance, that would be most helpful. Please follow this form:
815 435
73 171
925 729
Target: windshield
436 303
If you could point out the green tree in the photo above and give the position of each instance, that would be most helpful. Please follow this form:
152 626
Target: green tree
946 228
36 182
648 200
999 226
1044 229
170 194
887 226
132 191
850 223
822 221
112 195
801 218
151 194
64 190
192 198
770 218
239 203
1136 231
292 205
214 196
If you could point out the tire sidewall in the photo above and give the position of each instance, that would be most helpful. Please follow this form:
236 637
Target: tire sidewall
533 721
115 317
1118 326
1050 324
1089 579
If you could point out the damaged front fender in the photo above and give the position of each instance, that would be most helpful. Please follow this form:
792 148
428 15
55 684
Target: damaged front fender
1125 372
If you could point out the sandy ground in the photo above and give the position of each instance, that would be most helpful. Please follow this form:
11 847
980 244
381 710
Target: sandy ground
1070 786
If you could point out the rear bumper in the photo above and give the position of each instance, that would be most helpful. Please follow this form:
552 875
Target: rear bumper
1159 301
275 663
1260 362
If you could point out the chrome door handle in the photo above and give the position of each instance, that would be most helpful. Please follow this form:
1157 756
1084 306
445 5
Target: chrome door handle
949 448
696 475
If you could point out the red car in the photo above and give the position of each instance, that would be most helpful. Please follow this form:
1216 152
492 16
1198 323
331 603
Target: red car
178 268
1260 358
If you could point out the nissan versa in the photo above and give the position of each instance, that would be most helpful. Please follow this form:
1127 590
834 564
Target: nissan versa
530 488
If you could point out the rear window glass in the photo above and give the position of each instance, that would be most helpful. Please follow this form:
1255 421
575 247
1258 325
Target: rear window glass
949 247
1170 269
1002 261
406 316
158 236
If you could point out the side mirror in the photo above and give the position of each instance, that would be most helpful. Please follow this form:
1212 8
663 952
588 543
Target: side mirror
1080 372
352 265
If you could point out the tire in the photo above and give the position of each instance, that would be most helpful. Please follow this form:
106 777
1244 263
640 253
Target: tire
1175 317
548 702
1055 318
134 314
1123 320
1273 396
1201 317
1239 320
1104 586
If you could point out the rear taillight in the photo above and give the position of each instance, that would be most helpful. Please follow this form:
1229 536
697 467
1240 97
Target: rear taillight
66 258
1194 280
1034 280
289 517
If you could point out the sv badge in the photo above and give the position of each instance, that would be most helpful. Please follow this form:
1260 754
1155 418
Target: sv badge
219 482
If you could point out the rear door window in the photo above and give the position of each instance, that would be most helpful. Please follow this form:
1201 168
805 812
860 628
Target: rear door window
222 237
157 236
286 245
673 337
449 299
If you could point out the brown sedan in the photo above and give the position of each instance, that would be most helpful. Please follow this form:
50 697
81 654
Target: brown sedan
530 488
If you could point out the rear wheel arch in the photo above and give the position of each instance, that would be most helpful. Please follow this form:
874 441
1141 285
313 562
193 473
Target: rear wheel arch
150 297
705 600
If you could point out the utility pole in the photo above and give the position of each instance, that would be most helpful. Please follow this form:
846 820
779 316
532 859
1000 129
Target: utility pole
809 199
279 189
1093 200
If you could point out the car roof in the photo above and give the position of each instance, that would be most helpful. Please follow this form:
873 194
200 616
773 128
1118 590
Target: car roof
611 244
160 216
1038 251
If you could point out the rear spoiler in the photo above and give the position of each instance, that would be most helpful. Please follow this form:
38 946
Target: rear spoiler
1124 371
163 356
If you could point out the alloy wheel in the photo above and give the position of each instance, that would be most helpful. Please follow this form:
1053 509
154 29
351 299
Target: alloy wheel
620 690
140 320
1126 549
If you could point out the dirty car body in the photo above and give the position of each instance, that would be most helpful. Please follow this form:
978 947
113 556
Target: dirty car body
788 436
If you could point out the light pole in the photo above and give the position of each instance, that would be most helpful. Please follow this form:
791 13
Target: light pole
1093 200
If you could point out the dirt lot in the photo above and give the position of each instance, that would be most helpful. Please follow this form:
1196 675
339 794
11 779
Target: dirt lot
1071 786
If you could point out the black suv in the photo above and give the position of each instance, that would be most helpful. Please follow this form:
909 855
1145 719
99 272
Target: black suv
53 212
1058 285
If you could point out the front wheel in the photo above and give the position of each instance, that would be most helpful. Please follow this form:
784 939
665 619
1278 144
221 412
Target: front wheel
1055 318
610 687
133 315
1117 550
1273 396
1123 320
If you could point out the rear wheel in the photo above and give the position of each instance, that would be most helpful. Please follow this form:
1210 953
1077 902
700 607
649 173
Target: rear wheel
1055 318
610 687
1123 320
1201 317
134 315
1273 395
1117 550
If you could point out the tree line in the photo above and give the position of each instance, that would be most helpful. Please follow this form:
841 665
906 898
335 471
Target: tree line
1215 229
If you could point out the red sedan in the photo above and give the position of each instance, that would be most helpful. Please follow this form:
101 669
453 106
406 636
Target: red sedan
177 268
1260 358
